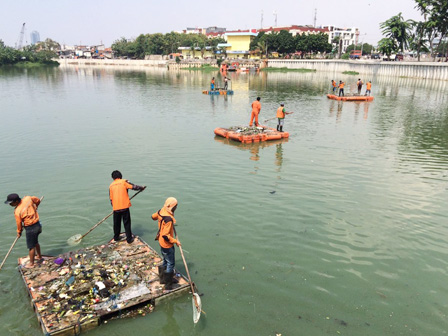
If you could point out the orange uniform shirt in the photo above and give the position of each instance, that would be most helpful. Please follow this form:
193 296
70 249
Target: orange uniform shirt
166 228
341 85
369 86
281 112
26 212
256 107
334 83
118 193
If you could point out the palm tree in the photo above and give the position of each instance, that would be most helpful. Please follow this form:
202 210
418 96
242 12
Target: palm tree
398 30
263 46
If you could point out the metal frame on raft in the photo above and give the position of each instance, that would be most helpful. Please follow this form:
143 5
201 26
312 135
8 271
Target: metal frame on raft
40 282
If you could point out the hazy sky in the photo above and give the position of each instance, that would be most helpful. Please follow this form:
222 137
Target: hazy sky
92 22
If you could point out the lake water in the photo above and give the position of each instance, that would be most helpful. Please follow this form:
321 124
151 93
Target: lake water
342 229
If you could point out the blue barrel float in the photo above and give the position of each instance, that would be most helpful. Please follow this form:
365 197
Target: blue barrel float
218 92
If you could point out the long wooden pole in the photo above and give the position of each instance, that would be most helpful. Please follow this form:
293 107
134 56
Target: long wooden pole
7 254
93 227
188 273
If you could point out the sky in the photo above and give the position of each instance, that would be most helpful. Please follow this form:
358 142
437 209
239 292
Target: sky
94 22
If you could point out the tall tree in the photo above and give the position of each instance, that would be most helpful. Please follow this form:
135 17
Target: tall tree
285 42
397 29
386 46
436 16
420 38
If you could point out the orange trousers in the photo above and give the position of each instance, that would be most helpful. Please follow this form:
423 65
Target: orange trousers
254 115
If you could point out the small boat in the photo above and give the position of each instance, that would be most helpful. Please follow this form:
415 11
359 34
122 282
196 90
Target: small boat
250 134
218 92
350 98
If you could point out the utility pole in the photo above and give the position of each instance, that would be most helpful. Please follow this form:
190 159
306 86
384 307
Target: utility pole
275 15
261 27
315 17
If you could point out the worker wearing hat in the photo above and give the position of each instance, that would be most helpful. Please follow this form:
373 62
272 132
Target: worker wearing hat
281 116
26 216
165 236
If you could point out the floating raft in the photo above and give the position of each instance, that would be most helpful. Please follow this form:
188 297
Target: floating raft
218 92
350 98
250 134
78 290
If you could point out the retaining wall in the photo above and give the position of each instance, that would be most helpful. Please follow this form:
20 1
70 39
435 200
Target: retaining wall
111 62
427 70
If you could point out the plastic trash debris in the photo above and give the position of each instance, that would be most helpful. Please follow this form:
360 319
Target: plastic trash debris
59 261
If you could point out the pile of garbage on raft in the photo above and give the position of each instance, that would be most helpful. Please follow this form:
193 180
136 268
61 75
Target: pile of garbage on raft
90 283
250 130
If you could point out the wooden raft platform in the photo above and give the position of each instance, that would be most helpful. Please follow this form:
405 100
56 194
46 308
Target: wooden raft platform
250 134
218 92
94 284
350 97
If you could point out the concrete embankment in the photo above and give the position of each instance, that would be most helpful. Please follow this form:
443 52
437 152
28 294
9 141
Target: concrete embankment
125 63
426 70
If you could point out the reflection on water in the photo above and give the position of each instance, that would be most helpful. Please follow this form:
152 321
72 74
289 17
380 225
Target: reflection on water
171 327
255 147
279 155
338 106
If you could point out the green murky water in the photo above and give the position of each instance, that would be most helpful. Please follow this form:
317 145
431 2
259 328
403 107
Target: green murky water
340 230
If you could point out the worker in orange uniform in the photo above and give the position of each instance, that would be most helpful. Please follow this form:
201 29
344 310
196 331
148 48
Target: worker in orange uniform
359 83
281 116
165 236
368 88
256 107
26 215
335 86
341 88
212 84
119 198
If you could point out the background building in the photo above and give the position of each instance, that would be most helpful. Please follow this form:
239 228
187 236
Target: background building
348 36
296 30
35 37
238 43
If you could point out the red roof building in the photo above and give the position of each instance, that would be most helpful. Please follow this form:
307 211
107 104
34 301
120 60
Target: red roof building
294 30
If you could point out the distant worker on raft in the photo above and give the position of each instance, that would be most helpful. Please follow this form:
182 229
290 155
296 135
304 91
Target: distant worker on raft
281 116
256 107
359 84
368 88
341 88
335 86
212 84
226 82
